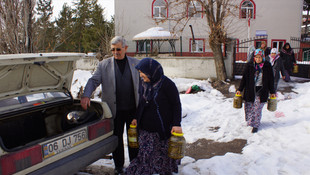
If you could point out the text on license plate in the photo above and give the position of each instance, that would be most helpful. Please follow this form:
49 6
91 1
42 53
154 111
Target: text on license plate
64 143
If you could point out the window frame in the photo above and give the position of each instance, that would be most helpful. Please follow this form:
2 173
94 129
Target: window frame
199 15
203 45
278 41
160 9
237 45
247 9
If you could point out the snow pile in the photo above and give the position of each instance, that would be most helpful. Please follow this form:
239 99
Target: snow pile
281 145
154 33
80 78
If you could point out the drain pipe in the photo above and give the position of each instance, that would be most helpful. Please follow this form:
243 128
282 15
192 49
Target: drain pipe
193 42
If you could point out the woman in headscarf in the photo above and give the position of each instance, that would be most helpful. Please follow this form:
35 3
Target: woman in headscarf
265 48
158 115
288 57
277 66
257 82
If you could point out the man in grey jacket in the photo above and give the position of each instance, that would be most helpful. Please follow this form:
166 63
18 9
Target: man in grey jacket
120 83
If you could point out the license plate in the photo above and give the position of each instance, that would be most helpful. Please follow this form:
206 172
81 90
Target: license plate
65 143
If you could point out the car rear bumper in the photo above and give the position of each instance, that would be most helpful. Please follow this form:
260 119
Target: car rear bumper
69 165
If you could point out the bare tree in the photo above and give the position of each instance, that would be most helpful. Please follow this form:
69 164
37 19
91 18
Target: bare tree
28 13
105 37
217 13
16 18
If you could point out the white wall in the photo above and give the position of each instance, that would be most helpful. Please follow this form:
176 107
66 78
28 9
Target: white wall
193 67
280 18
197 68
135 16
132 17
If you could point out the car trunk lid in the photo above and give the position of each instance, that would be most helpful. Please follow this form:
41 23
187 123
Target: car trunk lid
23 74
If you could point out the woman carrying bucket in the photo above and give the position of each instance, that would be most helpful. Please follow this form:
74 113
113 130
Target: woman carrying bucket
257 82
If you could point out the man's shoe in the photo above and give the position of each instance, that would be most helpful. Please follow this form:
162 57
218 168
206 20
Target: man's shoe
118 170
254 130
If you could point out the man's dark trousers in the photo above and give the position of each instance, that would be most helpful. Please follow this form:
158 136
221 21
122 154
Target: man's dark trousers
123 117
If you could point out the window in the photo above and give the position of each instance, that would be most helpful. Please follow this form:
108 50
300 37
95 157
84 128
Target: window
197 46
144 46
247 9
160 9
194 9
278 44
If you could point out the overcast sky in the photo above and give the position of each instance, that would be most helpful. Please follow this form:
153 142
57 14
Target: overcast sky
107 4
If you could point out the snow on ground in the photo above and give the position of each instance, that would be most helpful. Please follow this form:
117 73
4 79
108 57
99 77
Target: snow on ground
281 146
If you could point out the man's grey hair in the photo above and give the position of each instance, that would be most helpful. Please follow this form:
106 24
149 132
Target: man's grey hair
118 39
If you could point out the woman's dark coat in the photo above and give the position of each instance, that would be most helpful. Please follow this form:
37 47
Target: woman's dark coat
167 112
159 106
248 82
288 59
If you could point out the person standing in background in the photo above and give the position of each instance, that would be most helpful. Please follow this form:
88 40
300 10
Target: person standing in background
288 57
277 66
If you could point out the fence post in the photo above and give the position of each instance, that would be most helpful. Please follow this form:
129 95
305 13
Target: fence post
229 61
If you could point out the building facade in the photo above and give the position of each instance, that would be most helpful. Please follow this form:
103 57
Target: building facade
278 20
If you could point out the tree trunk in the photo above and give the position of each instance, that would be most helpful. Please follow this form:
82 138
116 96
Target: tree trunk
16 26
219 62
28 26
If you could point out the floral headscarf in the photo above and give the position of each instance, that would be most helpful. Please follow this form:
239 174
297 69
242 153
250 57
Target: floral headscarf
258 66
259 52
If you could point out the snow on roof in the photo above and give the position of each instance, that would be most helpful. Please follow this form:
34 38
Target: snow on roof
155 33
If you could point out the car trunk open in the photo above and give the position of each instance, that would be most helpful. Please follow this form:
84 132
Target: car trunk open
30 112
43 129
42 123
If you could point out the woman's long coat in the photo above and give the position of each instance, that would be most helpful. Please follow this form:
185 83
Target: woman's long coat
248 82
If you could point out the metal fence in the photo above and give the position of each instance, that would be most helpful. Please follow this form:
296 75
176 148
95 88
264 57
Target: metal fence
244 47
300 46
242 51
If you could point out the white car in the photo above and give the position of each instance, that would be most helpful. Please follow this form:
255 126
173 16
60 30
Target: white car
43 130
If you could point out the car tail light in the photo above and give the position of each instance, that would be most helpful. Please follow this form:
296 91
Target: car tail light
17 161
100 128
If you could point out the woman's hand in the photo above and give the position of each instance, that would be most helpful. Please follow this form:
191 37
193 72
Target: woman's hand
176 129
134 122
